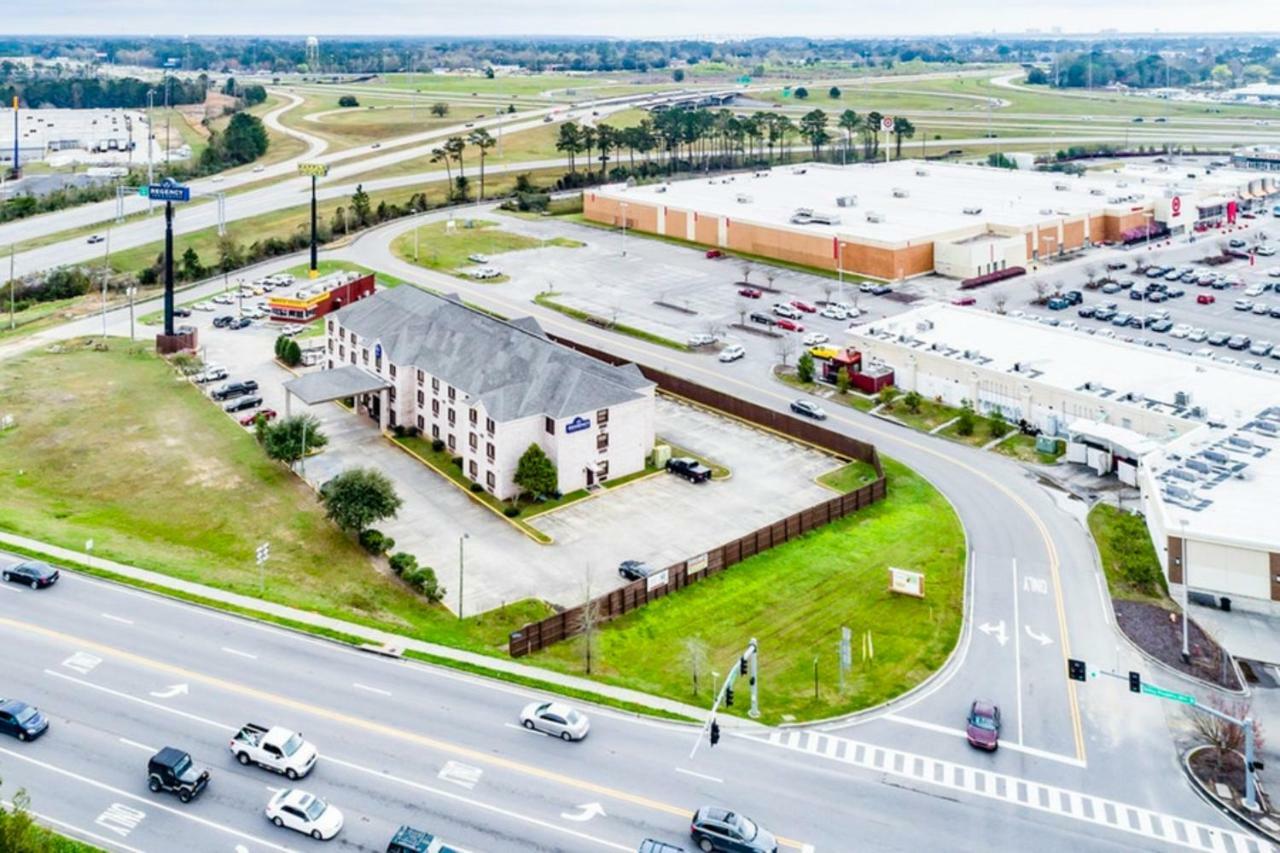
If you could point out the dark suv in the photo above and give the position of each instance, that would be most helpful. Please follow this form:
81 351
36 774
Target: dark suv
172 769
762 319
634 570
691 469
720 829
235 389
410 840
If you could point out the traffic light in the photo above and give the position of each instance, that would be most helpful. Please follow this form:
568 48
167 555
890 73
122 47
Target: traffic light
742 665
715 733
728 696
1075 669
1135 682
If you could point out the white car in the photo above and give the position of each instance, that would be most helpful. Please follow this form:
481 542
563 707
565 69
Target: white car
217 179
1243 305
259 167
786 311
485 272
831 312
1274 272
478 258
1265 250
733 352
1254 290
701 340
846 308
814 338
280 279
306 813
1260 308
556 719
203 306
1203 353
1197 336
1180 331
224 299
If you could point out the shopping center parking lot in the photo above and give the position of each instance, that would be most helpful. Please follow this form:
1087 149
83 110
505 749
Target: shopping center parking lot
771 478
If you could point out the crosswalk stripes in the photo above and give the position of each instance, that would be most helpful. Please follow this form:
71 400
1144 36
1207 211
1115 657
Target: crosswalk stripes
1019 792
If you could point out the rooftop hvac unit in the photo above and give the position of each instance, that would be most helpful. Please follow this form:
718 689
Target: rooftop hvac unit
899 192
661 189
1060 187
847 201
743 198
825 219
924 325
1216 456
922 173
1122 183
1181 398
1239 441
1197 411
972 211
1046 211
799 171
872 216
1266 426
1198 465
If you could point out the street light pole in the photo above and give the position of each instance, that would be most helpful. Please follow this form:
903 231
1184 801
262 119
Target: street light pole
106 273
1186 596
13 287
151 143
461 539
624 229
130 291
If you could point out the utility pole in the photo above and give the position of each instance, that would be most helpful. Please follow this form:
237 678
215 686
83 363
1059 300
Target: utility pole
151 144
461 539
130 291
106 273
1186 580
167 146
13 287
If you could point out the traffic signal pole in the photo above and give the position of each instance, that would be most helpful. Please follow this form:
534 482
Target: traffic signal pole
747 665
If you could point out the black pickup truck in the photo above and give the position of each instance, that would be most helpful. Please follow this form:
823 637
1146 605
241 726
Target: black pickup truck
691 469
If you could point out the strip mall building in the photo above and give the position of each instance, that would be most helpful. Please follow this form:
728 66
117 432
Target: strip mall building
908 218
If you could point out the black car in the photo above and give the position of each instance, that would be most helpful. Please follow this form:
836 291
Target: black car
172 769
235 389
634 570
762 319
715 828
650 845
32 573
410 840
1116 265
241 323
691 469
241 403
1135 294
223 321
1217 339
809 410
23 721
1075 297
182 312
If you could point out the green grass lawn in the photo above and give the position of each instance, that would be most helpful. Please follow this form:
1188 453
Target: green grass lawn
110 446
981 432
437 249
849 477
853 399
1128 558
794 599
546 300
927 416
1023 448
524 85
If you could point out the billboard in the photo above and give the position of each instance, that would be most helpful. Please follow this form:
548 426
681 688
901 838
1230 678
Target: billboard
313 170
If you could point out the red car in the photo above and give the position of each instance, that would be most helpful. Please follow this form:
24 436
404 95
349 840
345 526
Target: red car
714 253
1206 299
750 293
790 325
983 726
252 418
802 306
964 300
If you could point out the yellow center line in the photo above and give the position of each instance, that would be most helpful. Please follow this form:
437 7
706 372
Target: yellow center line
360 722
611 343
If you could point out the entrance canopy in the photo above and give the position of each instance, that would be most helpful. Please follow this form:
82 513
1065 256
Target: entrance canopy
326 385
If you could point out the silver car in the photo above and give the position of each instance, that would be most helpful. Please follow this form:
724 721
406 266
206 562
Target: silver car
555 719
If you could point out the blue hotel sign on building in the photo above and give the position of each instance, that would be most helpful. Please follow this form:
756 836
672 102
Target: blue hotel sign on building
577 425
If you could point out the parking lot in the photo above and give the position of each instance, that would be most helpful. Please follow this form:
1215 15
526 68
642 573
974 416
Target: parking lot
771 478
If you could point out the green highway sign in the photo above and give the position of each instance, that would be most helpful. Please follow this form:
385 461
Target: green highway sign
1168 694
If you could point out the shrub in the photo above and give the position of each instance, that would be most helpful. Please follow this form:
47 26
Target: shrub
804 367
965 422
424 581
886 396
437 444
457 460
403 564
912 401
511 511
476 487
375 542
348 101
999 426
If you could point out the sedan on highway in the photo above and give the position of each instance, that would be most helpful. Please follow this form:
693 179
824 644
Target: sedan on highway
809 410
556 719
733 352
714 828
983 726
306 813
96 238
20 720
32 573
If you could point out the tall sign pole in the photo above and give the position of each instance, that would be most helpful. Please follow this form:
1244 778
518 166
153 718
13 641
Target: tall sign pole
313 171
169 192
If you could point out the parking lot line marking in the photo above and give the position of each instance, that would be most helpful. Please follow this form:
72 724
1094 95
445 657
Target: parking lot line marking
525 730
355 722
377 690
240 653
699 775
120 619
151 803
136 745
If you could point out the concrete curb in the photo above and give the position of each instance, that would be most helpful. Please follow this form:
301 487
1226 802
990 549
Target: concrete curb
1212 799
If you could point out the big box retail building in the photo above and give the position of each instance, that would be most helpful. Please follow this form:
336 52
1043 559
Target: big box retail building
907 218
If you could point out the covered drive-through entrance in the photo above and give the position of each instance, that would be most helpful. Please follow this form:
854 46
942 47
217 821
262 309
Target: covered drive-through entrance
370 392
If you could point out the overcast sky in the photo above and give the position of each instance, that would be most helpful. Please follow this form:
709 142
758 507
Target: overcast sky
638 18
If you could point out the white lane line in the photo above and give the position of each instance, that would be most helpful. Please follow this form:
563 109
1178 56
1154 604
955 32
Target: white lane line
239 653
525 730
699 775
377 690
136 745
139 700
120 619
1014 747
1017 650
1106 605
482 805
72 829
151 802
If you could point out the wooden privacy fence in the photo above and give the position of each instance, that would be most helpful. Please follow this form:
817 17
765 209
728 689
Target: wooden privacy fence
560 626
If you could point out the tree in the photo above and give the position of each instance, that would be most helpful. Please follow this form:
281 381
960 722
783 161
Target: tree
190 267
999 426
339 221
245 139
1041 288
746 272
536 473
1221 737
965 421
1037 77
902 128
813 127
455 146
253 95
696 654
678 75
348 101
439 109
229 87
783 346
289 439
230 255
800 93
359 498
833 93
912 400
18 832
289 351
849 122
886 396
590 616
360 210
804 367
483 141
842 381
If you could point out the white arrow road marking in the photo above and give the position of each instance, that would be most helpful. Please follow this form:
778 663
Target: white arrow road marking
460 774
82 662
585 812
170 692
996 630
1039 638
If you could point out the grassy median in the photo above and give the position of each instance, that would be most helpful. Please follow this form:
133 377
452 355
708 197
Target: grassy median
794 599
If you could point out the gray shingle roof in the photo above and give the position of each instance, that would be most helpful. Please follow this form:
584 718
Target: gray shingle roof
512 367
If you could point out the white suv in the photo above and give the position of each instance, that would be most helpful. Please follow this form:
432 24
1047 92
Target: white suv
786 311
733 352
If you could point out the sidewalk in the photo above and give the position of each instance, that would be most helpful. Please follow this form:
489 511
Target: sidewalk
374 636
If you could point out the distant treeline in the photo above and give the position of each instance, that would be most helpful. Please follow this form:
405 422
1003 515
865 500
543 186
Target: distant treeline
99 93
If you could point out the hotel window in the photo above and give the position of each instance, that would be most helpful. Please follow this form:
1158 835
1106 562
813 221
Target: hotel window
421 375
489 425
435 431
471 468
342 351
391 395
473 441
421 423
391 368
490 451
452 443
602 441
353 356
364 356
435 385
377 361
330 345
453 417
490 480
435 408
602 417
475 417
331 327
602 470
452 394
551 426
422 400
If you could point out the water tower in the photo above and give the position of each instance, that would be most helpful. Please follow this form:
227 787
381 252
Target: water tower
313 54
